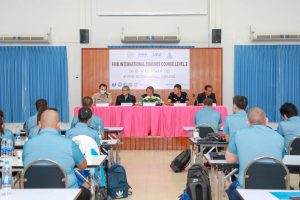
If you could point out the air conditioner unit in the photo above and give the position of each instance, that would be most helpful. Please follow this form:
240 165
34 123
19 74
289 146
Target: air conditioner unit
25 38
284 37
150 38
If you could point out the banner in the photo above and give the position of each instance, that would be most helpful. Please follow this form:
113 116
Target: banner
140 68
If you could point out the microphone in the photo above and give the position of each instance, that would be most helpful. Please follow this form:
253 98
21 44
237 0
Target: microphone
195 99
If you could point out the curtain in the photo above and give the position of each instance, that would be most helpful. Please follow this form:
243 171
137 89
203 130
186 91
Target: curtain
268 76
30 73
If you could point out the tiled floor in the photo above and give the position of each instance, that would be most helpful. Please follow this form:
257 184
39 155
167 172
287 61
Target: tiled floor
151 177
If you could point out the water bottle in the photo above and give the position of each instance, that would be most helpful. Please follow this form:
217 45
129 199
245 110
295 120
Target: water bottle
17 138
6 178
9 148
3 148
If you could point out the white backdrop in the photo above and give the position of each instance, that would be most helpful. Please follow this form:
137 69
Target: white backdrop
139 68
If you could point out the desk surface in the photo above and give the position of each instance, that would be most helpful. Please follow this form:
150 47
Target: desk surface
248 194
45 194
92 162
288 160
207 142
114 129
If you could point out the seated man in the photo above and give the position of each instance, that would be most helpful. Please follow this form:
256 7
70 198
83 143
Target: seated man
5 133
49 144
206 94
239 119
102 96
177 96
150 93
289 128
250 143
95 122
208 116
81 128
125 97
34 131
31 121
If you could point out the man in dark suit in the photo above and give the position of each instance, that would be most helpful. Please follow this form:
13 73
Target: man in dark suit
206 94
150 92
125 97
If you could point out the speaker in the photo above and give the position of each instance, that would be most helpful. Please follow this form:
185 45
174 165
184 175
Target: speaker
216 35
84 36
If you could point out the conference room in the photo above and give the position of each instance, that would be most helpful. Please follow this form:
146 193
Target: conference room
143 100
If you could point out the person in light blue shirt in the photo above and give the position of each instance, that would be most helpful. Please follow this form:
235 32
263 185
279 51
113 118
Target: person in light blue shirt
5 133
95 122
34 131
82 128
32 121
289 128
239 119
49 144
208 116
250 143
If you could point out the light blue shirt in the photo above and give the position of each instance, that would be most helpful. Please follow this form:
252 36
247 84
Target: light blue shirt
95 123
49 144
254 142
8 135
83 129
34 131
289 129
30 123
208 116
235 122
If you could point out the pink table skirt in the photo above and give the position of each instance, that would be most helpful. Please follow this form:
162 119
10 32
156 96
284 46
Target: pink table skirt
139 121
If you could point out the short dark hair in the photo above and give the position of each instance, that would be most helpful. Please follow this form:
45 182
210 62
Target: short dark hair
102 85
150 88
40 103
288 109
208 102
84 114
241 102
207 86
177 86
40 112
87 101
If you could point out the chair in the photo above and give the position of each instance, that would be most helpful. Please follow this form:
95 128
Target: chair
266 173
205 130
294 146
44 174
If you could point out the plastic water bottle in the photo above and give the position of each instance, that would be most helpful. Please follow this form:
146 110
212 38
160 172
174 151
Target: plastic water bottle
3 148
9 148
17 138
6 178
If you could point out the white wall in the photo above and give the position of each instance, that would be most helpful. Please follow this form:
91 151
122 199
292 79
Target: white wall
66 17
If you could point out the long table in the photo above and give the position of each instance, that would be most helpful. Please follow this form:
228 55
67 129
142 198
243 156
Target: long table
45 194
142 121
248 194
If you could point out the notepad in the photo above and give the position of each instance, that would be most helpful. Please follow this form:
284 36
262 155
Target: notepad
285 195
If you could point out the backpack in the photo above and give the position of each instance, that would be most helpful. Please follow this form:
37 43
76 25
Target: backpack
198 185
117 185
181 161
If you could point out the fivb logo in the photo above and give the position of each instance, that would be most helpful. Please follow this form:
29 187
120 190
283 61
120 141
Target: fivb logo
119 194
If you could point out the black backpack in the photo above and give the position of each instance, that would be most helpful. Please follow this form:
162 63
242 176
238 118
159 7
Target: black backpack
198 185
181 161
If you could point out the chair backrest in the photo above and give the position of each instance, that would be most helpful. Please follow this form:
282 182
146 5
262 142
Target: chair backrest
86 145
44 174
205 130
294 146
266 173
